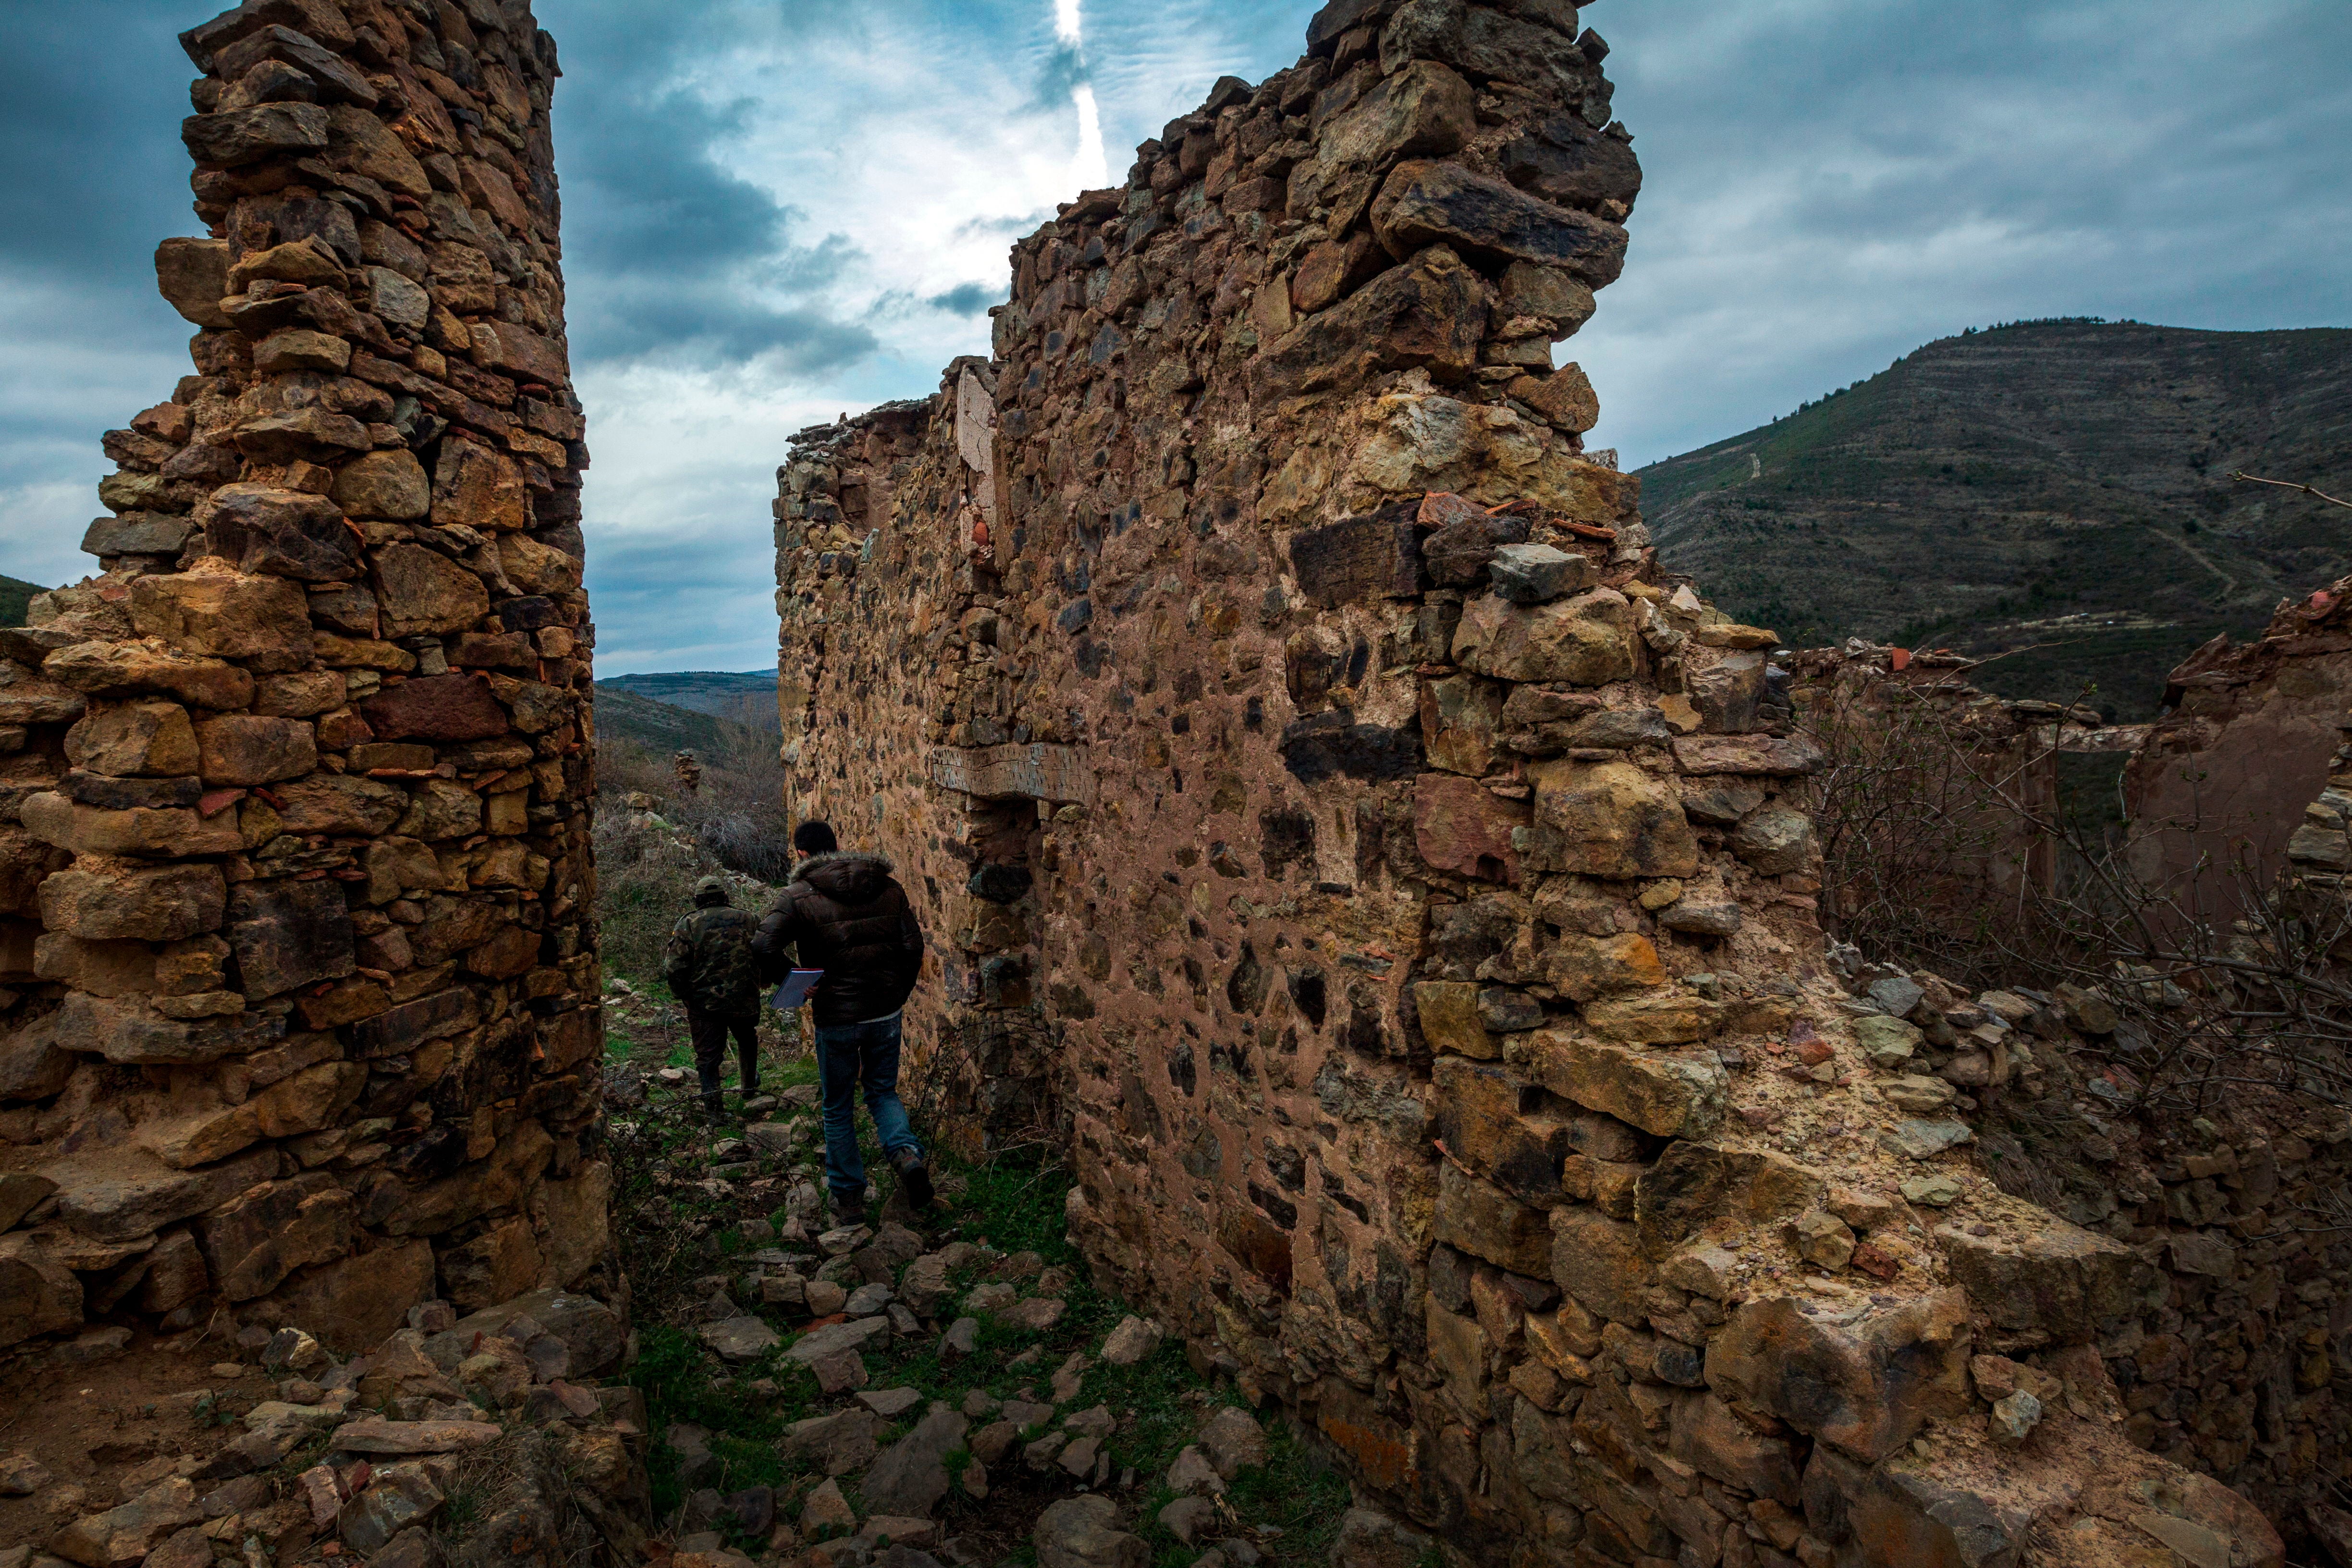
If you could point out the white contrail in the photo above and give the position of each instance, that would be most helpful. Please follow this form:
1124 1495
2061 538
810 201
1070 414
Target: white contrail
1091 168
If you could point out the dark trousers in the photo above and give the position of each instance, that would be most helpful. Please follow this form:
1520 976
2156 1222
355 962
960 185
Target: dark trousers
709 1032
847 1056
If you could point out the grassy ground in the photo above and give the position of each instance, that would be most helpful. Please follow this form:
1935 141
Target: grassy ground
1160 1404
683 1237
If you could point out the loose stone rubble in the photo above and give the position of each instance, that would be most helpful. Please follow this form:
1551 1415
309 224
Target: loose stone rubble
1397 891
298 975
500 1404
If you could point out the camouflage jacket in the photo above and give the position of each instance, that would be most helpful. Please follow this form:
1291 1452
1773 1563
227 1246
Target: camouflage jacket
709 963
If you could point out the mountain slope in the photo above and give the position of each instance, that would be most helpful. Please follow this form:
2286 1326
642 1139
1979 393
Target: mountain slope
14 597
2055 491
660 728
747 698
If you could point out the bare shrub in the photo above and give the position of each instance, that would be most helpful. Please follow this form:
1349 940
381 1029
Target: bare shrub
738 812
1946 849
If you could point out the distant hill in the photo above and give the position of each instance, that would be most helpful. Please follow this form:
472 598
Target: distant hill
662 727
14 597
2056 491
747 698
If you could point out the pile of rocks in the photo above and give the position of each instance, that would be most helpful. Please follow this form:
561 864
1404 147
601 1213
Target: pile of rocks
499 1400
297 971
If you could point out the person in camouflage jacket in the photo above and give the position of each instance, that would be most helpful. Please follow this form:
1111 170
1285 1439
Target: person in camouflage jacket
710 968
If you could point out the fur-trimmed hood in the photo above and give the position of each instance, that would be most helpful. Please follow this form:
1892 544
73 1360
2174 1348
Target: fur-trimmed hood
845 876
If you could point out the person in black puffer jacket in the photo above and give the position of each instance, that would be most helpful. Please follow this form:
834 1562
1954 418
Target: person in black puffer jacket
848 916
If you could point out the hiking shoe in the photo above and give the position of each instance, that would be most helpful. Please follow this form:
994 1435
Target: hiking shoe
848 1209
914 1178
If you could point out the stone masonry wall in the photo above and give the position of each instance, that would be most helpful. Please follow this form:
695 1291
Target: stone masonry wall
299 1021
1391 892
2234 1369
2249 739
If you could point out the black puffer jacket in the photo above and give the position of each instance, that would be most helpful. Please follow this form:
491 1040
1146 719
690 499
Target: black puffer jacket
846 916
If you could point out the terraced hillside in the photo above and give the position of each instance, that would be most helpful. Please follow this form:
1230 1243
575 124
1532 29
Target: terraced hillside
2056 491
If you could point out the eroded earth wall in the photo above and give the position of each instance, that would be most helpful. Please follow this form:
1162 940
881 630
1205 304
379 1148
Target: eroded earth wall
1392 890
2248 744
298 967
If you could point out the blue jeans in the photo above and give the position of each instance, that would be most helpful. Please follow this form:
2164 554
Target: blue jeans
846 1055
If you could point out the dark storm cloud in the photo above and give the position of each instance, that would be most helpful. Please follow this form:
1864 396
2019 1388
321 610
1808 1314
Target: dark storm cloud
969 299
1830 183
1833 182
96 175
680 260
88 109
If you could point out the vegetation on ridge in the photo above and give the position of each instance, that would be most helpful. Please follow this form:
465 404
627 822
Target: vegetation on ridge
2054 492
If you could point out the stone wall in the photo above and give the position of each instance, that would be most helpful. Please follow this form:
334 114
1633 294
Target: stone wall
1393 892
2232 1367
2219 780
1963 773
2249 739
299 1017
2235 1197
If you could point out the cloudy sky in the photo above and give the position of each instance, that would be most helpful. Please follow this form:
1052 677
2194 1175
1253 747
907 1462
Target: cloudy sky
779 210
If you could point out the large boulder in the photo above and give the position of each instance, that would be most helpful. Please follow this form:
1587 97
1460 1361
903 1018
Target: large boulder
1429 204
1430 313
591 1331
1667 1095
1691 1184
120 1191
1863 1387
115 668
391 485
1424 110
39 1294
1084 1532
244 749
423 591
479 487
100 902
288 934
911 1476
2056 1277
1481 1219
262 623
140 739
1566 160
438 708
284 533
1585 641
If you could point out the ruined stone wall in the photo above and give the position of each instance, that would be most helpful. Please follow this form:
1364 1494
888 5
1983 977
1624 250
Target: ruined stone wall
1393 893
2232 1368
2220 780
1957 766
2249 739
297 965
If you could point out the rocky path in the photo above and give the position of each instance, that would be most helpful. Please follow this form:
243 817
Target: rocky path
911 1394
